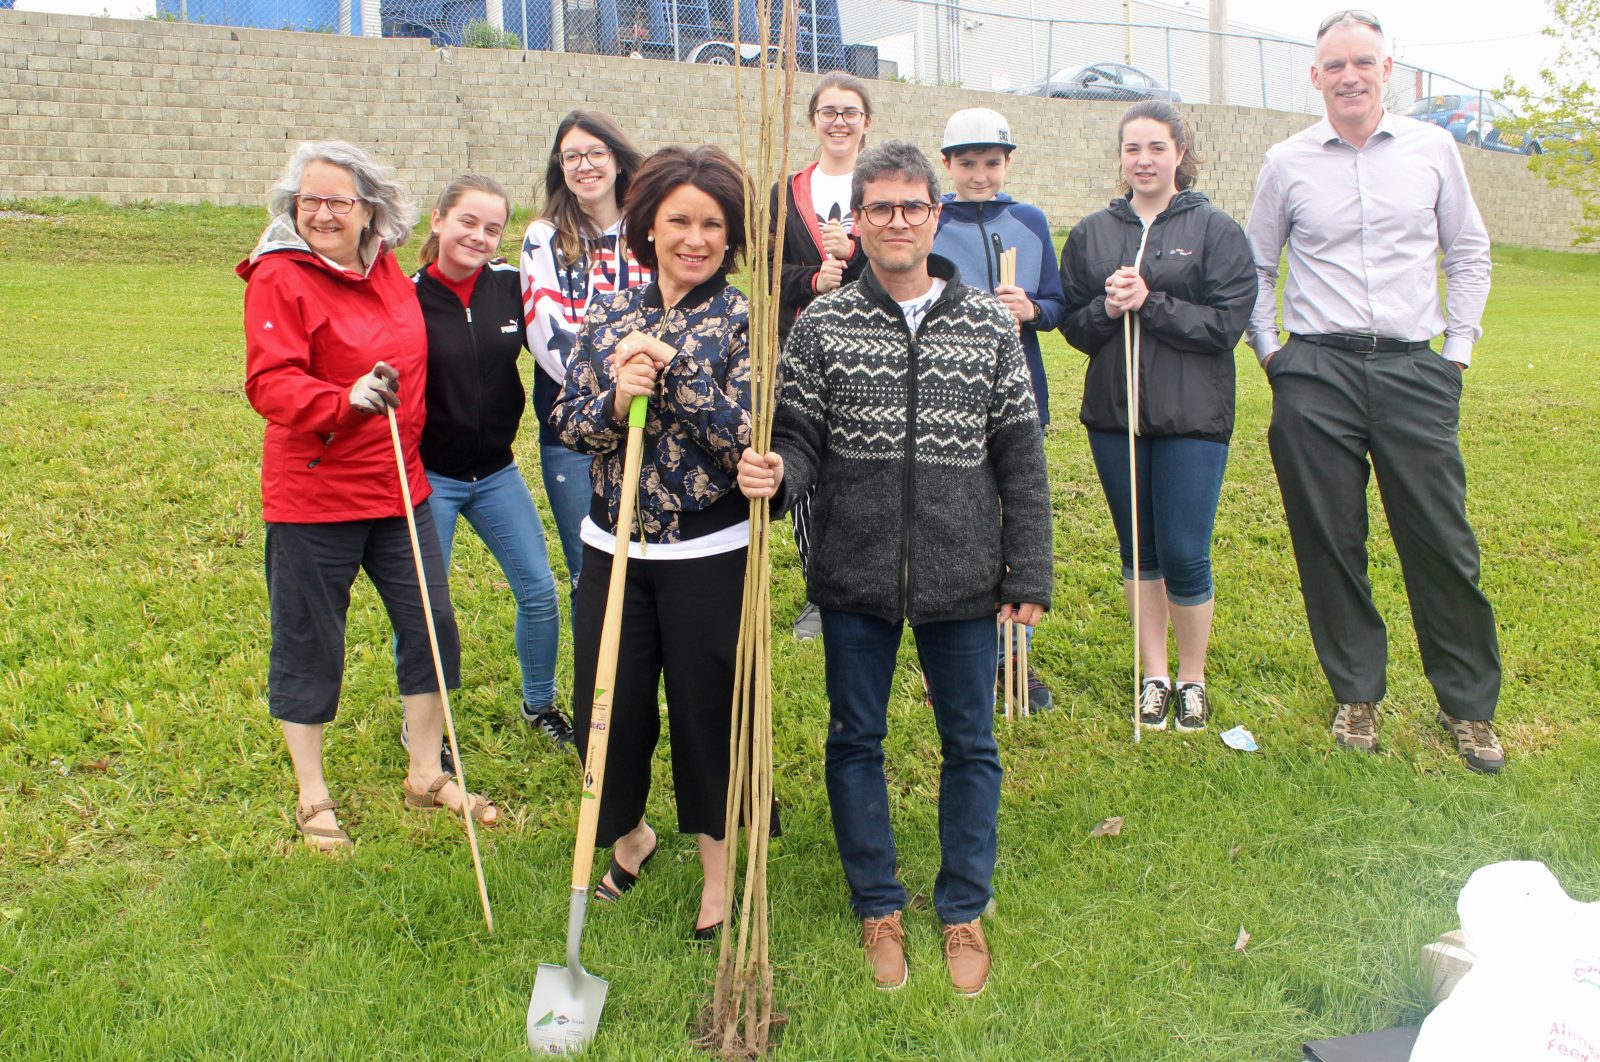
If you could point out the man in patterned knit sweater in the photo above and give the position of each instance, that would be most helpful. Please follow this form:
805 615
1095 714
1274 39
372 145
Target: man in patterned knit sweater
907 405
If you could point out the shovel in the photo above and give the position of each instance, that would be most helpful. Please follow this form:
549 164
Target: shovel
565 1009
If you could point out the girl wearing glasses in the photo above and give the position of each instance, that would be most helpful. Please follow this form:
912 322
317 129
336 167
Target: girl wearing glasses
332 330
575 250
1190 300
820 254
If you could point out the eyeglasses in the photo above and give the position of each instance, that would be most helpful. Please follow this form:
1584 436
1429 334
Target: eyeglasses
307 203
882 214
1366 18
851 115
571 160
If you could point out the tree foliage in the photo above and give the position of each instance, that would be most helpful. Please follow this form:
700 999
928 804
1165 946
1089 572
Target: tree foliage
1562 112
481 34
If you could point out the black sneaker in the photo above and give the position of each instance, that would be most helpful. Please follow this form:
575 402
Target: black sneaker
1155 700
808 625
1193 709
447 762
549 720
1040 699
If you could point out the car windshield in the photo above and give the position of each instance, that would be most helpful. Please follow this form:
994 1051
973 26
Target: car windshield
1429 104
1082 74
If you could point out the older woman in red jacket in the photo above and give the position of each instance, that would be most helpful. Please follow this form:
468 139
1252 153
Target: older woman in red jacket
332 328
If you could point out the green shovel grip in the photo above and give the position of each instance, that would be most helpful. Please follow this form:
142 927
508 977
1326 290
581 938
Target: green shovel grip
636 411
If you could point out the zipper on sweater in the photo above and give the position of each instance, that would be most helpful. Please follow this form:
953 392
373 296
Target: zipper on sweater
907 508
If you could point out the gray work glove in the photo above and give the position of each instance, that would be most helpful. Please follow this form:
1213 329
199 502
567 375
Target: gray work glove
377 389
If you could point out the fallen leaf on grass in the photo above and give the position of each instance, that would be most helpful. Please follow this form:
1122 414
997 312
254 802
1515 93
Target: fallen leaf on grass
1244 938
1233 853
1107 827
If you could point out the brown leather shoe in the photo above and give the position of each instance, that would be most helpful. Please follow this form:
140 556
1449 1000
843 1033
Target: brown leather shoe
967 955
885 941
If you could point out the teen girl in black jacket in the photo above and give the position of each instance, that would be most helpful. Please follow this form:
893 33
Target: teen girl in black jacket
1190 299
472 309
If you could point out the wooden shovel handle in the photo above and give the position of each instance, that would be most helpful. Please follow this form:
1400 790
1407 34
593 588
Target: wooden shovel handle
605 673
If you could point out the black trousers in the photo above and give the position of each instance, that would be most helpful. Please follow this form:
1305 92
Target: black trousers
1333 411
680 620
310 570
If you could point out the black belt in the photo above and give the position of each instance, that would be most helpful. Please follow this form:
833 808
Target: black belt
1361 344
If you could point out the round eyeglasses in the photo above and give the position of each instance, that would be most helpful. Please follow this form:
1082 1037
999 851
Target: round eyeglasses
571 160
882 214
851 115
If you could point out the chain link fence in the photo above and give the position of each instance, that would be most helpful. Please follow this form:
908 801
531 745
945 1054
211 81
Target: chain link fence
1108 49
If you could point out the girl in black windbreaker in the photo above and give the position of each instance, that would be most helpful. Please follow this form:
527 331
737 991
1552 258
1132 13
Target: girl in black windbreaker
472 308
1192 296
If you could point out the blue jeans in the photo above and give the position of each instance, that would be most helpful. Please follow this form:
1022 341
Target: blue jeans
958 658
571 491
501 511
1180 481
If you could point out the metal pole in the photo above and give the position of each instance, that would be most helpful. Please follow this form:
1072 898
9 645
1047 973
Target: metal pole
1049 51
677 52
525 25
1167 33
1261 64
558 26
1128 8
814 37
492 10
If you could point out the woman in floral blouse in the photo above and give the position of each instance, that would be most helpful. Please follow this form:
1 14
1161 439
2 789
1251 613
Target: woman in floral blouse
681 342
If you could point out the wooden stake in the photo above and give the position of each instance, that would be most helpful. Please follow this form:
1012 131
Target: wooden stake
438 669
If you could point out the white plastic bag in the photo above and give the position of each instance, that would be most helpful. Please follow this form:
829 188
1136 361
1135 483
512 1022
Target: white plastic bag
1534 990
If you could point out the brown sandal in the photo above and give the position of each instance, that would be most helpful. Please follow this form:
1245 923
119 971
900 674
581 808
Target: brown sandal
484 813
322 839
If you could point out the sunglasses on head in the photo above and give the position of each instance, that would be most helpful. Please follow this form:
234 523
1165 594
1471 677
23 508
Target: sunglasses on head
1366 18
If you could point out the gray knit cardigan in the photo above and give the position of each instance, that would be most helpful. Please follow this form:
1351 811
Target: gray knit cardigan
925 451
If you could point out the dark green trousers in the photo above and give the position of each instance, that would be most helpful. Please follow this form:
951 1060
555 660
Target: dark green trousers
1333 411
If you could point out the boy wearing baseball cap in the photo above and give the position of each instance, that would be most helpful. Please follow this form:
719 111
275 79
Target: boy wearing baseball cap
978 221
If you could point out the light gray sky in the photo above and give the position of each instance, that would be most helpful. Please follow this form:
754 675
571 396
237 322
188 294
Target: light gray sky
1477 42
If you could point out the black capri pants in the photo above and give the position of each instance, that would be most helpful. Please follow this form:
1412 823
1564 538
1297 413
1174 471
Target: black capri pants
680 619
310 570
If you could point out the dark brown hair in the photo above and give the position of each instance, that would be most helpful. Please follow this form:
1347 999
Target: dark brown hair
1182 139
467 182
709 169
840 79
561 207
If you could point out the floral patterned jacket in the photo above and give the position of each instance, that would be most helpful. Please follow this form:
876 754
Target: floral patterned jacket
699 417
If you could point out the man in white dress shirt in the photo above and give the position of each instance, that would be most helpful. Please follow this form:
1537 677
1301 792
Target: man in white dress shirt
1365 201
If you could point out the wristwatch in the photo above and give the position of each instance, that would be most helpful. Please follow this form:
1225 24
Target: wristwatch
1035 316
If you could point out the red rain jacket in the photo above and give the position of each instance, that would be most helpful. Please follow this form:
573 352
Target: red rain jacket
311 331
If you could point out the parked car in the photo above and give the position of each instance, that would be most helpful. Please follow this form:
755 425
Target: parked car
1475 121
1101 81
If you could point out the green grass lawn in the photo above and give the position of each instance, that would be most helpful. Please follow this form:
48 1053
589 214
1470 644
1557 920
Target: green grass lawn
153 903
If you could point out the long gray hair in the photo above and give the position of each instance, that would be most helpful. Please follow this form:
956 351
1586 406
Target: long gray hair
393 214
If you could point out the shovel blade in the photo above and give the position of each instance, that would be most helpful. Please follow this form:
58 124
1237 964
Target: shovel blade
565 1009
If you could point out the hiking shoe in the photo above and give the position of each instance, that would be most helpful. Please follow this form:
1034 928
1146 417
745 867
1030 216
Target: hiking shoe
1193 709
808 624
885 942
447 762
1155 698
1355 725
967 955
1476 741
549 721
